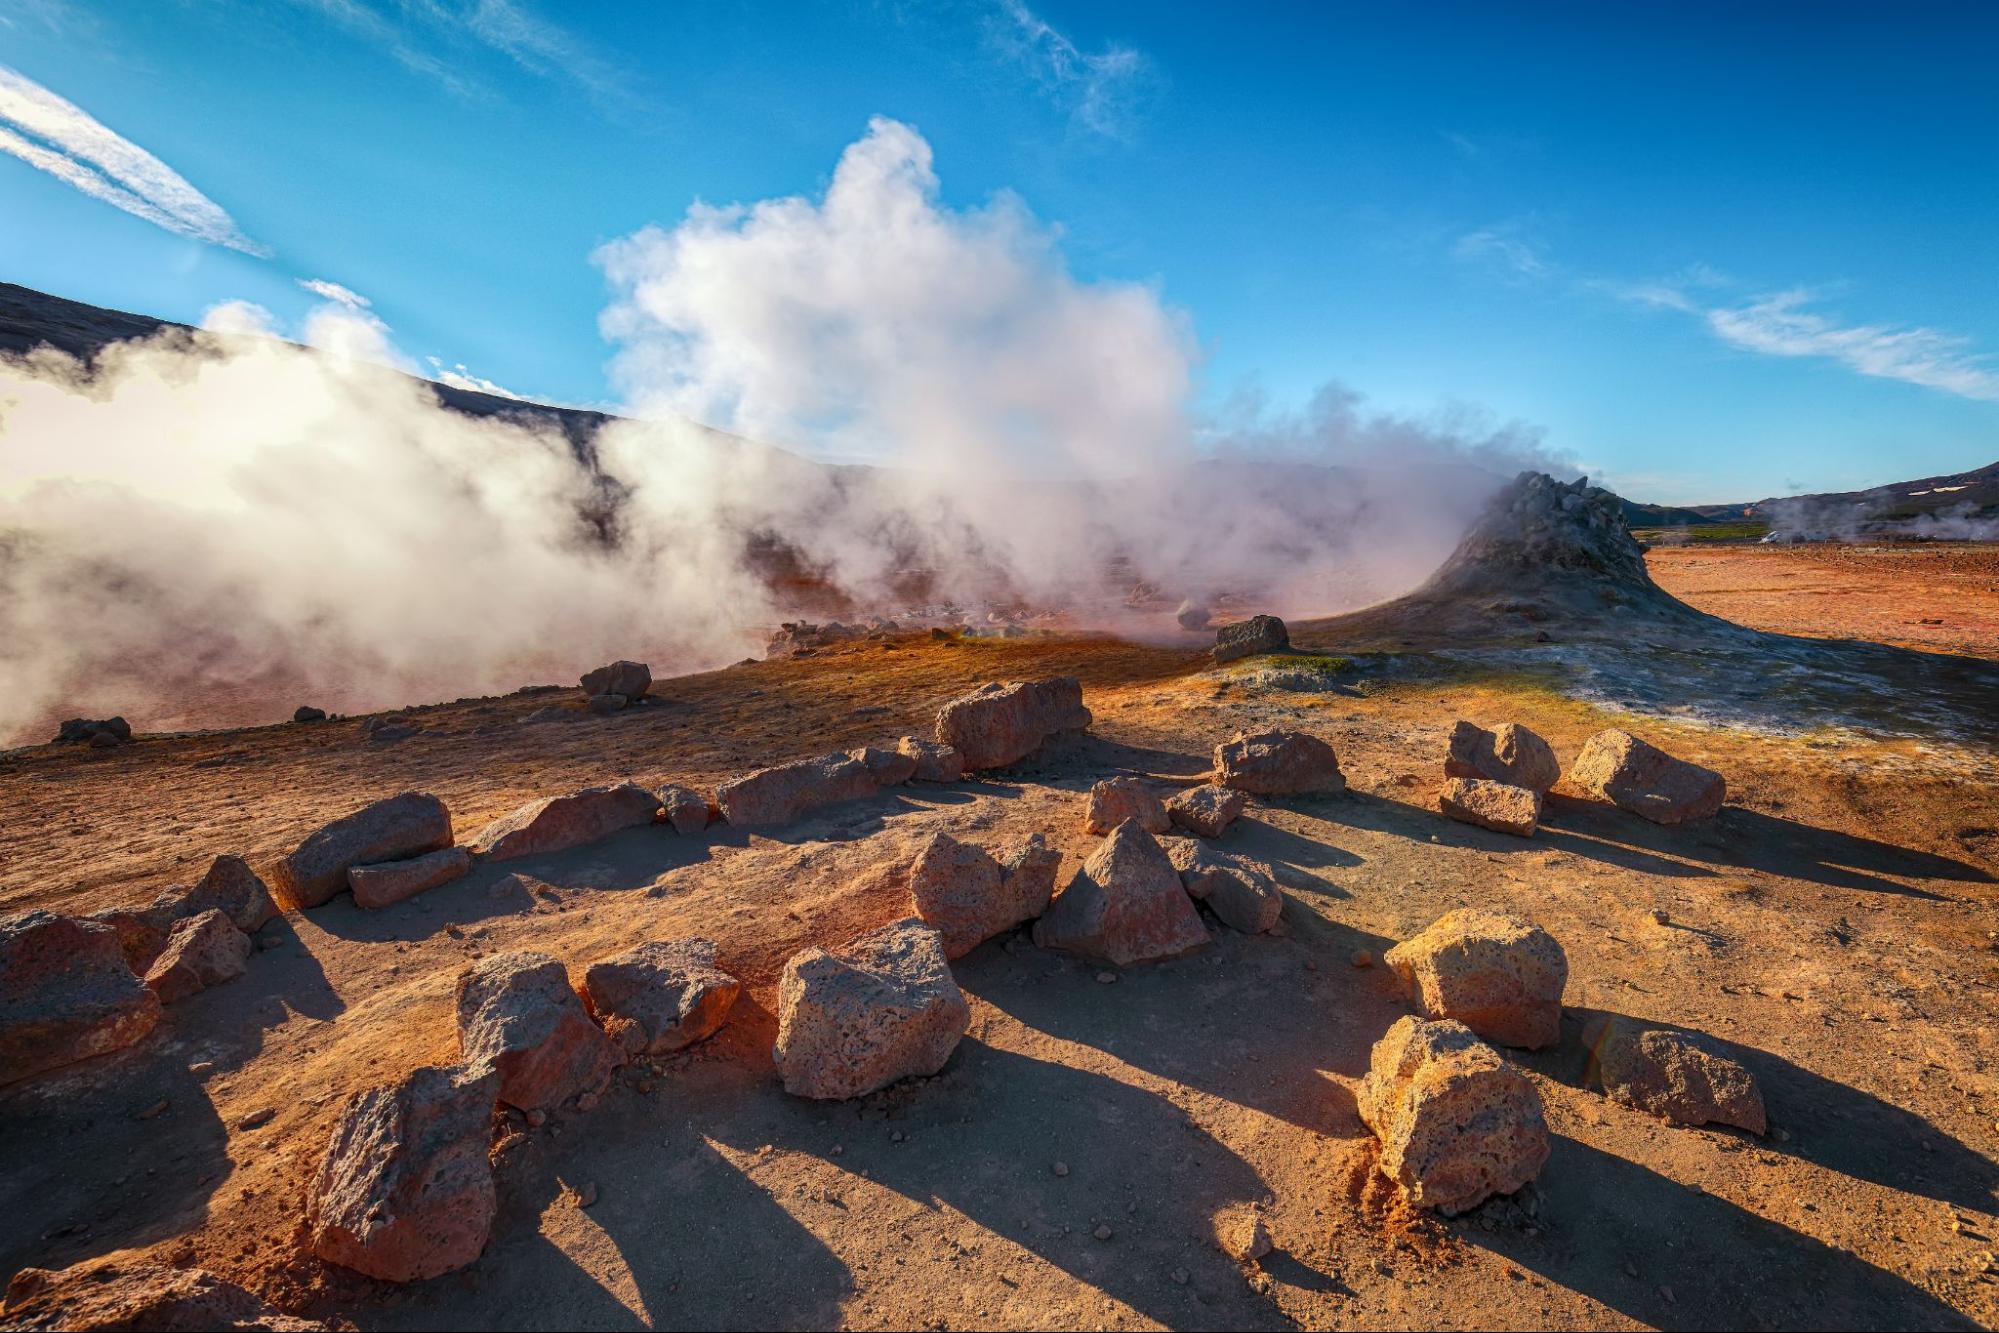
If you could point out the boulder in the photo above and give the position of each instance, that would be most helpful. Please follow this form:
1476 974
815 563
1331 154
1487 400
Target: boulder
1115 800
305 713
1457 1123
387 882
601 704
968 897
1492 805
997 724
409 824
1126 905
405 1190
1242 892
684 808
934 762
1206 810
659 996
1509 753
66 994
788 792
127 1293
142 931
1647 781
891 768
1674 1075
1192 615
1246 638
1027 875
518 1014
233 889
1278 763
557 823
629 679
882 1007
1499 975
87 731
202 951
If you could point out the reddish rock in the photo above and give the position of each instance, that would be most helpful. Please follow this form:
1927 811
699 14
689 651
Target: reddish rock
684 808
788 792
997 724
883 1007
628 679
142 931
405 1190
123 1293
891 768
660 996
934 762
1125 906
388 882
557 823
518 1014
1499 975
1115 800
1245 638
968 897
202 951
66 994
1493 805
409 824
1509 753
230 887
1242 892
1278 763
1206 810
1673 1075
1647 781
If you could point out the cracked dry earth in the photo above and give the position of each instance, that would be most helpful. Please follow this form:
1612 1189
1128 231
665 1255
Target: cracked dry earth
1834 925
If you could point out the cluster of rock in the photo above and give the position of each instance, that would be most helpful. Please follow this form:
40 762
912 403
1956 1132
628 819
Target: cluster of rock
802 638
98 733
1499 779
621 685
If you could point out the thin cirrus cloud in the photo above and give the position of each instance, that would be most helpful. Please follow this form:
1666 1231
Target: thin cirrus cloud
1102 91
1503 248
56 136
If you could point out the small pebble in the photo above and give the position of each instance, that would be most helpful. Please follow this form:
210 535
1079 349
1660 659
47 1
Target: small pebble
587 1102
156 1109
1106 978
1061 1168
537 1117
263 1115
1362 958
1103 1231
1181 1277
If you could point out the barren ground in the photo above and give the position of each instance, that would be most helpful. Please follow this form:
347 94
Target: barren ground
1836 924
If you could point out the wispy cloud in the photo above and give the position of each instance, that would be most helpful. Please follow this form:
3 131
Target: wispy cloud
1102 90
334 292
1504 248
1780 325
55 135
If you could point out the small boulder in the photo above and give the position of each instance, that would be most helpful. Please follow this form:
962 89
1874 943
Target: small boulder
1192 615
1126 905
202 951
1647 781
305 713
1509 753
659 996
127 1293
602 704
1242 892
235 890
883 1007
1242 1235
1278 763
1206 810
557 823
66 994
934 762
1493 805
518 1014
996 725
1246 638
88 731
1115 800
968 897
788 792
405 1190
1499 975
1674 1075
387 882
628 679
891 768
1457 1123
409 824
684 808
142 931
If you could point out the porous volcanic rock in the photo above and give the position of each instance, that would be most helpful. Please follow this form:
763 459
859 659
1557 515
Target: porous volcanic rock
1509 753
1645 780
882 1007
1115 800
404 825
66 994
230 886
405 1190
629 679
788 792
1126 905
996 725
1673 1075
125 1293
1278 763
1493 805
1241 891
890 768
934 762
142 931
684 808
1206 810
518 1014
968 896
659 996
201 951
387 882
1456 1122
1245 638
1499 975
557 823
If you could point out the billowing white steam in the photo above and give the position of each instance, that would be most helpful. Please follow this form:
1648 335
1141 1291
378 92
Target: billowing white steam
210 529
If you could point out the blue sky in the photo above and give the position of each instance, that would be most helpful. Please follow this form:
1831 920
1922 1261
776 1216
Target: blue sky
1712 253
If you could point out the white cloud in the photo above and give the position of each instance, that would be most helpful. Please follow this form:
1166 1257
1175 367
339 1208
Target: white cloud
1504 248
1100 90
1779 325
333 291
56 136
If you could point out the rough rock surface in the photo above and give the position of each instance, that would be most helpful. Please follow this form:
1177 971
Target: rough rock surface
1245 638
557 823
1115 800
1126 905
66 994
997 724
405 1190
1206 810
202 951
409 824
387 882
684 808
142 931
94 731
1278 763
1457 1123
968 897
802 638
123 1293
1645 780
780 795
1241 891
231 887
882 1007
1673 1075
659 996
1499 975
934 762
518 1014
630 679
890 768
1509 753
1493 805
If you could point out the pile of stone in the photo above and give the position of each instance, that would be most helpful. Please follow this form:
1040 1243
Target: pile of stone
802 638
613 688
98 733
